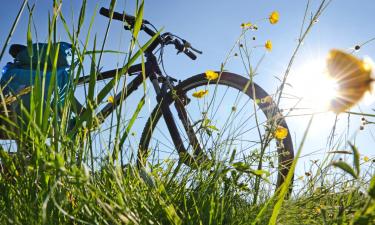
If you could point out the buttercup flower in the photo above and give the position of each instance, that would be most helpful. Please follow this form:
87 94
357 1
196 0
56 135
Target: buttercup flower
211 75
200 93
366 159
246 25
274 17
353 78
280 133
111 99
268 45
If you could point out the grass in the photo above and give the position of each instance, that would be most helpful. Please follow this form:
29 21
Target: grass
57 177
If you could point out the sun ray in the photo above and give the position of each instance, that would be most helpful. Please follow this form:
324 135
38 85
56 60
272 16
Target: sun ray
311 83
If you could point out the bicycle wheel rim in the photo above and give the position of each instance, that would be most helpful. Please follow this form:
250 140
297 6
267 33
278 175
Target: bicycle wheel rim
242 85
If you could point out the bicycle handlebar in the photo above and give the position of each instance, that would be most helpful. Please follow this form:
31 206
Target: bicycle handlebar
181 47
190 54
120 16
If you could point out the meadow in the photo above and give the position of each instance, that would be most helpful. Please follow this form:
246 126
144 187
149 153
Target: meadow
62 163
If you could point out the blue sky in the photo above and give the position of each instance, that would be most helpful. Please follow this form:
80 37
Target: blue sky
213 27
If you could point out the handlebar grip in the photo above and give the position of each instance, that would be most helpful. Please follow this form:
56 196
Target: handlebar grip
190 54
117 16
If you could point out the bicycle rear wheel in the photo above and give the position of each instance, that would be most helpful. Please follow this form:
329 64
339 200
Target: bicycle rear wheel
230 117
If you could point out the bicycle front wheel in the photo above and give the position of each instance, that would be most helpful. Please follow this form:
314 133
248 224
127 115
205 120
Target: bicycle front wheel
233 119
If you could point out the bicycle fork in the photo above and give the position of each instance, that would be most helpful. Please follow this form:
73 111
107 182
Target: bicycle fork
181 100
162 98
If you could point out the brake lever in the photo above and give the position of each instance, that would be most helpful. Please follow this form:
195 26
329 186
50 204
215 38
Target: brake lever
188 45
196 50
180 47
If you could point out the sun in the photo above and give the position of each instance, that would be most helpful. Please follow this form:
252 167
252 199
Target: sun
312 86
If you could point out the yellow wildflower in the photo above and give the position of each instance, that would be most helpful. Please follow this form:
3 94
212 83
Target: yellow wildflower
353 78
280 133
211 75
111 99
246 25
200 93
366 159
274 17
268 45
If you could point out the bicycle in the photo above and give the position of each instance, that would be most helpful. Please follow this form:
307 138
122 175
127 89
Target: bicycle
194 142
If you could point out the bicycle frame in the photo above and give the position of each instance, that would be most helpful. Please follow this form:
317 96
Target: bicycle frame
153 72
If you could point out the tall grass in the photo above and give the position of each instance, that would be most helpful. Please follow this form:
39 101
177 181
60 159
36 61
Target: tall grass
56 177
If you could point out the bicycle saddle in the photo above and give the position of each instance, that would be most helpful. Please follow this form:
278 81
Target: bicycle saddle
15 49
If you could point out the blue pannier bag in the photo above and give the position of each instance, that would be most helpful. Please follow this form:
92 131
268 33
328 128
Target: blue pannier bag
18 75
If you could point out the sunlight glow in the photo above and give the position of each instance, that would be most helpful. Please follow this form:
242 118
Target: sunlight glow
368 64
369 97
311 83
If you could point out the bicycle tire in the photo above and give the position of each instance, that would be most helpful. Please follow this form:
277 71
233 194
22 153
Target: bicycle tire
227 79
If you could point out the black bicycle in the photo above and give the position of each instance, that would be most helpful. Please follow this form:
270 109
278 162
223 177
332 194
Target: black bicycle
224 118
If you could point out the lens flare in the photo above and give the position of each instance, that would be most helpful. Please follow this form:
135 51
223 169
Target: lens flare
334 84
353 77
313 86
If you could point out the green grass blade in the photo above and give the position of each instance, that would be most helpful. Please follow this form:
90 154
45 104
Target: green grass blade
138 22
140 105
92 80
111 11
13 28
123 70
109 86
66 27
29 37
356 157
81 16
371 190
51 89
112 7
285 187
345 167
